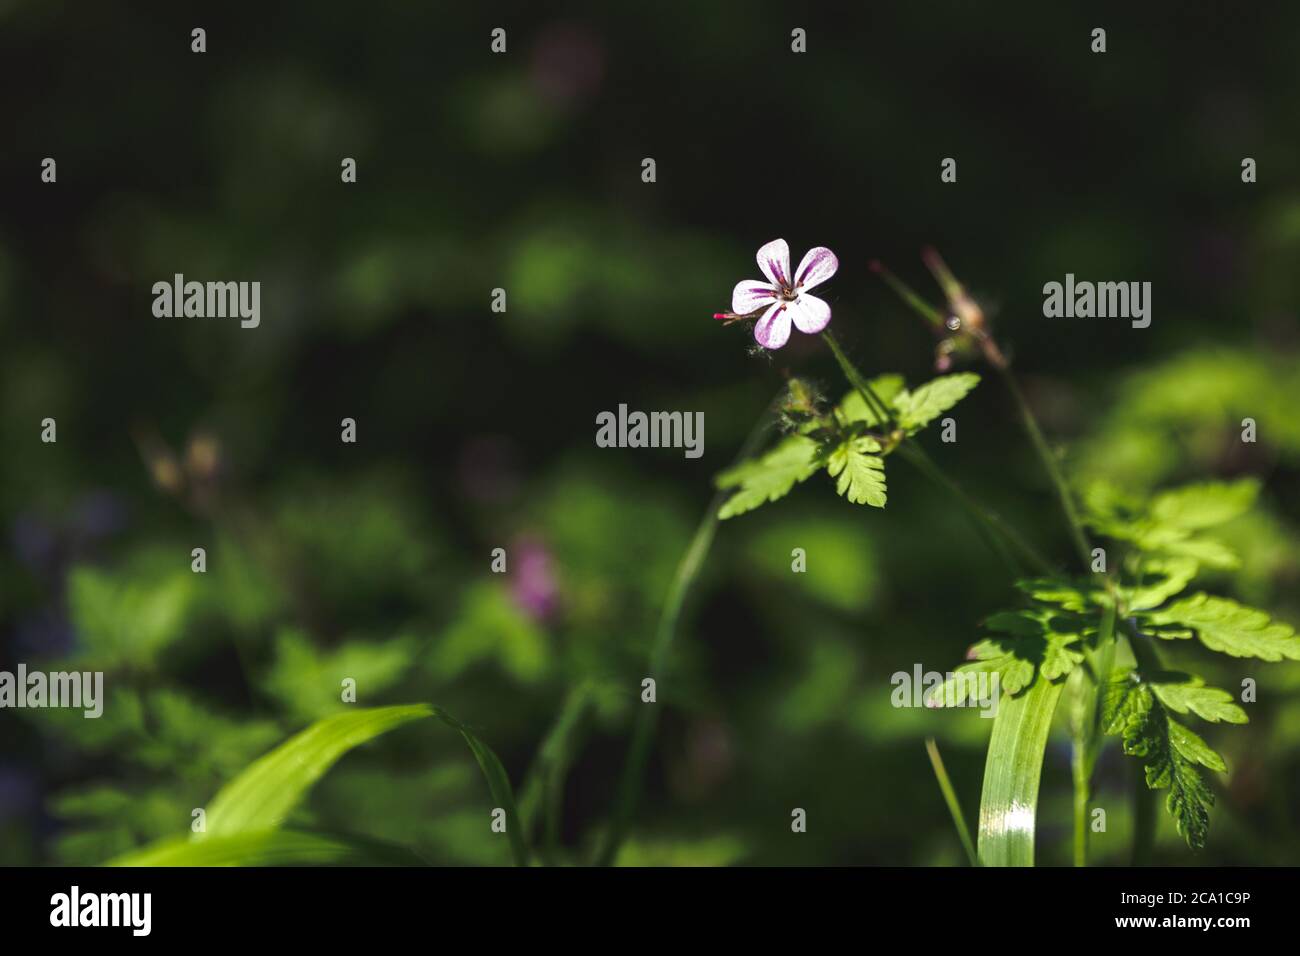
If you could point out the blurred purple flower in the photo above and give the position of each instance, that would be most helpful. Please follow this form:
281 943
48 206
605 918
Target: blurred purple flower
784 298
533 585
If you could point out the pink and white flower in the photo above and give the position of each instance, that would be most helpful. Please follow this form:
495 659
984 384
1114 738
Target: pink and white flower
784 298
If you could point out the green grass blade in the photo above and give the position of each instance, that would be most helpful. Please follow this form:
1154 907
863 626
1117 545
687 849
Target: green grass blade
498 782
950 798
269 848
262 796
1009 802
543 790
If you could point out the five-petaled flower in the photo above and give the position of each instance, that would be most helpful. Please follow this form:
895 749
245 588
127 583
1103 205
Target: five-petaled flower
784 298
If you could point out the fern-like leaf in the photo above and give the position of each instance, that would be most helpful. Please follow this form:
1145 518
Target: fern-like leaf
770 476
860 473
1228 627
1169 751
918 408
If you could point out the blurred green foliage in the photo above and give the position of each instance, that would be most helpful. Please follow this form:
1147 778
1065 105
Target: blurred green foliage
372 561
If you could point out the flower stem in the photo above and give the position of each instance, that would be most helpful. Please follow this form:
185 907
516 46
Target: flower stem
874 401
1050 465
910 298
991 528
629 786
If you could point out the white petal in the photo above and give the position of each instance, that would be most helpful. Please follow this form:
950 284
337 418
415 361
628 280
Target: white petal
773 329
750 296
817 266
774 260
810 314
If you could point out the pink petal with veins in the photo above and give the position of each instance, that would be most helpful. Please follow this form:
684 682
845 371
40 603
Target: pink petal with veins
774 260
773 329
817 266
750 296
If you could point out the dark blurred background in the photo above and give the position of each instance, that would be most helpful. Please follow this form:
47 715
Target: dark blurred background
476 429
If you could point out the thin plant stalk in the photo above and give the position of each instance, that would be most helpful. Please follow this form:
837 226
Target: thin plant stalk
1086 729
1082 792
629 787
543 792
1053 468
950 798
989 526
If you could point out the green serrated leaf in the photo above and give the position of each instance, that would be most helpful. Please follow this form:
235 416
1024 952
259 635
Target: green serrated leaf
917 409
1190 695
1189 802
1062 593
1193 748
1198 506
854 407
1014 665
1030 642
1059 657
1206 551
770 476
859 472
1169 751
1160 579
964 683
1228 627
1167 524
1122 704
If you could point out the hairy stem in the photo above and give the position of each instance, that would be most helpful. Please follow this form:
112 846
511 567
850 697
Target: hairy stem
874 401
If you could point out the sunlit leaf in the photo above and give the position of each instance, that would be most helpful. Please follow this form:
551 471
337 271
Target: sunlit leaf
269 848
